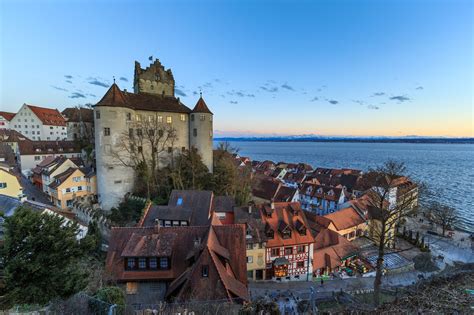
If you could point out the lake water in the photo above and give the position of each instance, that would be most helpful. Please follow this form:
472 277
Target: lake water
445 168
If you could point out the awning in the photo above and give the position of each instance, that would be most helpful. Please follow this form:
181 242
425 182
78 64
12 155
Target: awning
280 261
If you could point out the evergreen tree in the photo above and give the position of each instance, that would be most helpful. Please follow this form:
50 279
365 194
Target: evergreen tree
41 256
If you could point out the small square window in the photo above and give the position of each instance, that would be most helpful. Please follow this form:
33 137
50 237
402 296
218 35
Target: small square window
164 263
141 263
129 116
106 131
249 259
153 263
182 117
97 114
202 117
139 132
160 119
169 119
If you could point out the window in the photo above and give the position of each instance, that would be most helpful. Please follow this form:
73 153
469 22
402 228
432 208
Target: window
106 131
195 132
164 263
130 133
249 259
202 117
182 117
192 117
79 188
139 117
153 263
160 133
140 149
117 182
139 132
97 115
288 250
169 119
275 252
170 149
179 202
151 132
142 263
300 249
183 149
249 246
37 158
76 179
37 126
68 190
3 185
160 119
132 287
205 271
300 264
129 116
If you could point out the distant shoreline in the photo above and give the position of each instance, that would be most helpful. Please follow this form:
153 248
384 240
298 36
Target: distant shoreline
353 140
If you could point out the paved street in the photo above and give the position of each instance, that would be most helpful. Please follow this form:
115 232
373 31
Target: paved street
32 192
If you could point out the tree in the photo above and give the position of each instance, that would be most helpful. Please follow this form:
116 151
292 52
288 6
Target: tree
92 242
146 147
189 172
445 216
128 212
41 255
386 211
228 178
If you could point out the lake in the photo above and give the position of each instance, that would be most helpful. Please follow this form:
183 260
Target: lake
446 168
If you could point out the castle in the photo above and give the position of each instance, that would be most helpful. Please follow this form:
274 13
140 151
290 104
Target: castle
151 122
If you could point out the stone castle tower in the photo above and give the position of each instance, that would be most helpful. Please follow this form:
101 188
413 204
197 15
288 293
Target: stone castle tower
121 113
154 79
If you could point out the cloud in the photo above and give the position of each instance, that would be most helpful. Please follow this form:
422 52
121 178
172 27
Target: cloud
69 81
314 99
233 102
93 95
250 95
239 94
359 102
419 88
400 98
123 79
77 95
179 92
378 94
373 107
333 102
271 89
288 87
58 88
97 82
68 76
195 93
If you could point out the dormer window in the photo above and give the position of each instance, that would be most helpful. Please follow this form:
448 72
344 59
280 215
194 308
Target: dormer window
331 193
164 263
320 191
179 202
153 263
205 271
309 189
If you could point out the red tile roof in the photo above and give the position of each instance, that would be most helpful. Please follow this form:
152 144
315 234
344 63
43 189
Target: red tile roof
201 107
8 116
47 147
48 116
330 248
345 218
81 114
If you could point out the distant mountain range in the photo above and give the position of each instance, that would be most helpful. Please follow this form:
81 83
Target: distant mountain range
375 139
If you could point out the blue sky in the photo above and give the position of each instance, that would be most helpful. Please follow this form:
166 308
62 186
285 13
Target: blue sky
264 67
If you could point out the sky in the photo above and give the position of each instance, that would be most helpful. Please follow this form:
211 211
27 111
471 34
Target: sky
358 68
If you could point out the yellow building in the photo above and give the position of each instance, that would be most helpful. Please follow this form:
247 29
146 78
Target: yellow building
255 239
9 184
348 222
73 184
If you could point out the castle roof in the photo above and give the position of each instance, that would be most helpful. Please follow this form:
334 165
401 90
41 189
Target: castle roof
142 101
201 107
78 114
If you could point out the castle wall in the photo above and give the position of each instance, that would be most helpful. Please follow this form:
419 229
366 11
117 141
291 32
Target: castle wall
201 135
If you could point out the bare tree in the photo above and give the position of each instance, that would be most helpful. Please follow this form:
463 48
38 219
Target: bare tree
385 209
145 147
443 215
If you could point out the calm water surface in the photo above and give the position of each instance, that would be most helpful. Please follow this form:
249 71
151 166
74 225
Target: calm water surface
446 168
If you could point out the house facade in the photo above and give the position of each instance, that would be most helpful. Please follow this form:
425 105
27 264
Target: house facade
39 123
80 123
9 184
289 247
72 184
321 199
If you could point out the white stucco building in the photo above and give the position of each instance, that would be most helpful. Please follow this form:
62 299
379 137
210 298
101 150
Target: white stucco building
39 123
